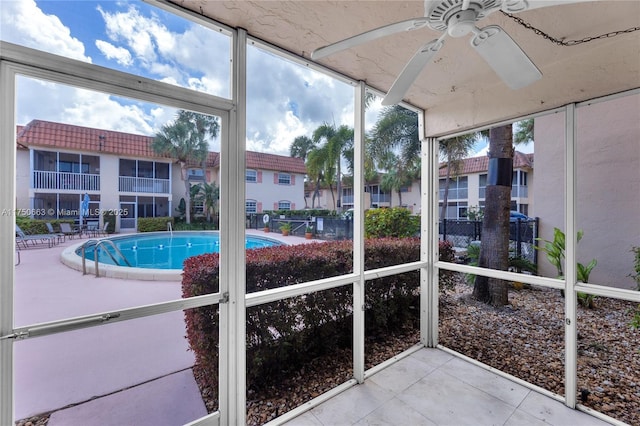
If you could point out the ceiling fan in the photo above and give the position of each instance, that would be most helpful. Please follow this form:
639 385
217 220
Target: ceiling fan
457 18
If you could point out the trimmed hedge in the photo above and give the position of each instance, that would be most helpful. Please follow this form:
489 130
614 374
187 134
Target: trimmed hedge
38 226
282 335
151 224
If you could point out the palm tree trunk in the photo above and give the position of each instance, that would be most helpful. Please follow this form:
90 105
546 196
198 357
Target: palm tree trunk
494 248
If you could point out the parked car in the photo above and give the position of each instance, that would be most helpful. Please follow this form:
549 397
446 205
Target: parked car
514 216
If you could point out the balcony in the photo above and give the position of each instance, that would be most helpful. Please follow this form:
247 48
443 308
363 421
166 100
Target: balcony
65 180
455 194
519 191
146 185
380 198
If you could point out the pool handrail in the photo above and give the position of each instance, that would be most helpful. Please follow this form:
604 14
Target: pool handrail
96 246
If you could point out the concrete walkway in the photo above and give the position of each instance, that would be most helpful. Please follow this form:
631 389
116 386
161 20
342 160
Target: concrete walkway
142 366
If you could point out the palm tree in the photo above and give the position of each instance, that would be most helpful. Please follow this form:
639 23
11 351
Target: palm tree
454 150
300 148
394 145
209 194
315 165
494 248
396 129
335 142
183 141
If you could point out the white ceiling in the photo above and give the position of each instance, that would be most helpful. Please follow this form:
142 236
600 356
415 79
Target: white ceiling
458 90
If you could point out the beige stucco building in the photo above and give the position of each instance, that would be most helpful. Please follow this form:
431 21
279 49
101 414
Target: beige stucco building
607 183
57 164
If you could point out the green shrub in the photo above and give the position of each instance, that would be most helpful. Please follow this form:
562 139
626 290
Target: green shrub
151 224
394 222
38 226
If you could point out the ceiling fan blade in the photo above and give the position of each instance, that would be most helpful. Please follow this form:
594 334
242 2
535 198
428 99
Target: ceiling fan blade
514 6
408 25
412 70
506 58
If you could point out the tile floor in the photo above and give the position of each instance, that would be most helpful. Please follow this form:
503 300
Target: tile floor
433 387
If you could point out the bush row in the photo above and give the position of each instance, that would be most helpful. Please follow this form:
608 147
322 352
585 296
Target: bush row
151 224
38 226
282 335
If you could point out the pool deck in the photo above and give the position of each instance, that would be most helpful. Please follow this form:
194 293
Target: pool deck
142 361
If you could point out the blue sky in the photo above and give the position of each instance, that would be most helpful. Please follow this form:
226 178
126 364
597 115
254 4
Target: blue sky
285 99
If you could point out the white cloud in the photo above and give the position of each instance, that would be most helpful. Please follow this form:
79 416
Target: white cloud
285 100
120 54
87 108
22 22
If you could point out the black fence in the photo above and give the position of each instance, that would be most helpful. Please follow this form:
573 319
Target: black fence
326 228
522 236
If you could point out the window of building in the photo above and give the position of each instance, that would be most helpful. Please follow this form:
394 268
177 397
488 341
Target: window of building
195 175
251 176
284 205
457 188
284 179
482 186
251 206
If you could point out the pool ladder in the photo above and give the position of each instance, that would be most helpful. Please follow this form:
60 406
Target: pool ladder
170 228
96 245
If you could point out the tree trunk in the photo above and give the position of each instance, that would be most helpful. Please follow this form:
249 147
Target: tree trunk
494 248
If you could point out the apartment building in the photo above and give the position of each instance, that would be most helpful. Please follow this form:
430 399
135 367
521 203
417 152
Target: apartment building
57 164
466 189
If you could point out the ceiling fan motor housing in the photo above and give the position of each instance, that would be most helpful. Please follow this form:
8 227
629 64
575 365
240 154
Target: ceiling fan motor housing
443 14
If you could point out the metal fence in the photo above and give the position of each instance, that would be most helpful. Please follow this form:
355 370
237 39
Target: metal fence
325 227
522 236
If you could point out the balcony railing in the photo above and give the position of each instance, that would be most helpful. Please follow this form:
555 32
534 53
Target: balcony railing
520 191
455 194
380 198
65 180
137 184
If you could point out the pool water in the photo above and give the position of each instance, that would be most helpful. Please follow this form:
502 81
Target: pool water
166 251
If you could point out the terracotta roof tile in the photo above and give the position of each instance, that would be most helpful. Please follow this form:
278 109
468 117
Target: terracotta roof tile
46 134
481 164
263 161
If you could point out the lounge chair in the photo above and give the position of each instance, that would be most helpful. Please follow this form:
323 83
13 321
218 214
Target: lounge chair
102 232
92 229
61 236
66 229
23 238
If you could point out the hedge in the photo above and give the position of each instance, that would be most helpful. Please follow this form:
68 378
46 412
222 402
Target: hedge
38 226
151 224
282 335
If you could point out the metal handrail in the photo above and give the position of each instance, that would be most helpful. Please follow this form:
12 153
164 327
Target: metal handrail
170 228
97 244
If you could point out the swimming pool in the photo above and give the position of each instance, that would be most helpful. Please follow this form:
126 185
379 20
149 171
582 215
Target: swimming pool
164 250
